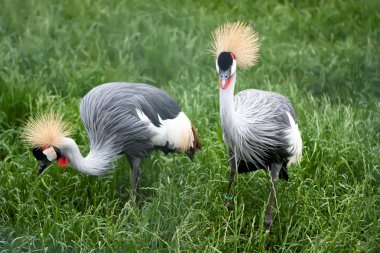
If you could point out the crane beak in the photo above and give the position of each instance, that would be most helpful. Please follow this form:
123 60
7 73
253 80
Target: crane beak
224 83
224 78
43 165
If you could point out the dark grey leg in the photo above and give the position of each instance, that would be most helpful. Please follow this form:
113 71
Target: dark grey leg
275 171
135 180
269 215
229 197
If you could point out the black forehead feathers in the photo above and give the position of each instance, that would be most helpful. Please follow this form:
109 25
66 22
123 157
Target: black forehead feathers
224 60
37 153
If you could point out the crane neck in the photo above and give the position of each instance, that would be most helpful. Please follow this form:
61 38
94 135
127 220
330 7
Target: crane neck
96 163
226 99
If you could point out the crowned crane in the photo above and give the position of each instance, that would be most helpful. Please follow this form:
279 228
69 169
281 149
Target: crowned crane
120 118
259 127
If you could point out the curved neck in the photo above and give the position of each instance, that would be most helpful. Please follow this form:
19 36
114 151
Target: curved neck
96 163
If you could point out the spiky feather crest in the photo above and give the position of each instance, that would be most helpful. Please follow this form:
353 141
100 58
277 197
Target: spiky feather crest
45 130
240 39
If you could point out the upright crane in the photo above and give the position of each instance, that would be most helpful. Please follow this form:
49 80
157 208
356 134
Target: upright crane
260 128
120 118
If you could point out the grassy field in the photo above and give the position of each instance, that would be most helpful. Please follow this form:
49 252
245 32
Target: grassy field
324 57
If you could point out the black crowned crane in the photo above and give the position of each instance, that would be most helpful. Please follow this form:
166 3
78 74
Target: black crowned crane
259 127
120 118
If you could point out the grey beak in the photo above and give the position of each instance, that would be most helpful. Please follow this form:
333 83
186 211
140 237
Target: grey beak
43 165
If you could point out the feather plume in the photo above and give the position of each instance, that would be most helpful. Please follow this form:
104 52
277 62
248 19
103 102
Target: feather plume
240 39
45 130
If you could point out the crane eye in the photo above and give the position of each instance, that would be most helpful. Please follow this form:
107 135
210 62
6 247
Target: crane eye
38 154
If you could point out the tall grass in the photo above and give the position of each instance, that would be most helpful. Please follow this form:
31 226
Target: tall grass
323 56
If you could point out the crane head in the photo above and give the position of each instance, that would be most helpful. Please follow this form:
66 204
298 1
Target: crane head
46 155
45 134
226 68
234 44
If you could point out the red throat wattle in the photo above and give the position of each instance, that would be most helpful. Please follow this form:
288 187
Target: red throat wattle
63 161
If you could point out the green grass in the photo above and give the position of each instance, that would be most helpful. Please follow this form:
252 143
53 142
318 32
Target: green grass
324 57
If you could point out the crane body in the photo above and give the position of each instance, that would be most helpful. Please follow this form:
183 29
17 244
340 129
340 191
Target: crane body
121 119
260 128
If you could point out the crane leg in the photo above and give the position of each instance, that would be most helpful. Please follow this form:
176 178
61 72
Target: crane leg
229 198
135 180
275 171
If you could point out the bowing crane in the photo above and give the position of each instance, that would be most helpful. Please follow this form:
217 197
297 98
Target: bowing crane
260 128
120 118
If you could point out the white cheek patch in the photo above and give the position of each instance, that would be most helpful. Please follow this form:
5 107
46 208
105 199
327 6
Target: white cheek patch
216 66
233 67
50 154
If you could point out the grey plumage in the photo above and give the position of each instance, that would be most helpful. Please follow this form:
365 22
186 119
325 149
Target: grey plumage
260 128
132 119
259 136
261 132
109 115
120 118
